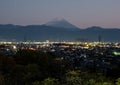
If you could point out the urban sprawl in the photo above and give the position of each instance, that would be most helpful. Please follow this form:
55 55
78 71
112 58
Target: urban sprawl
100 55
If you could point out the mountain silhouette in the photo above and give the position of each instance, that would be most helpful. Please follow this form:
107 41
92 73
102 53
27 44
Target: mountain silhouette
61 23
10 32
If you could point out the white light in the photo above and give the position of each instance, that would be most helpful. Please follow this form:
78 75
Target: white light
14 47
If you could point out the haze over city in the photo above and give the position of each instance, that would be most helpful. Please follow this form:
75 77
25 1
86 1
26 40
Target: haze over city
82 13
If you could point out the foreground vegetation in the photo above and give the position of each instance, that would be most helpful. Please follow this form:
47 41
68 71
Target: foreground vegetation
28 67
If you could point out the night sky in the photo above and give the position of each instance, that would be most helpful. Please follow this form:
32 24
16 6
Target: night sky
82 13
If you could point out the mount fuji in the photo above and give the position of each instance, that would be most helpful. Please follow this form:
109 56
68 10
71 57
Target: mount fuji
61 23
57 30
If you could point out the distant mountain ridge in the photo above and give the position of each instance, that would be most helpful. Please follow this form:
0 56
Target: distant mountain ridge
44 32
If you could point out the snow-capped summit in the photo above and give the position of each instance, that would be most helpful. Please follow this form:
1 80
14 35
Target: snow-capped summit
61 23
